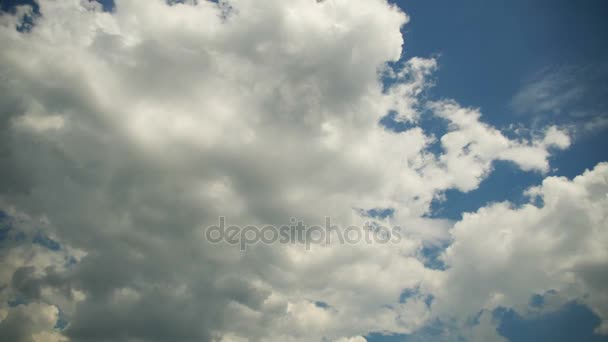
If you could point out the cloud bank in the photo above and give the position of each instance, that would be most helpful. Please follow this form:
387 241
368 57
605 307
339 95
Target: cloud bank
124 134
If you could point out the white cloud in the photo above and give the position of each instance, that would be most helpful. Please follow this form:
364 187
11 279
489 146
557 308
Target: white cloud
471 146
31 323
260 111
501 254
549 90
573 95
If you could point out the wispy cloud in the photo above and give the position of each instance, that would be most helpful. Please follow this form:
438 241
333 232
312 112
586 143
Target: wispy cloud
573 95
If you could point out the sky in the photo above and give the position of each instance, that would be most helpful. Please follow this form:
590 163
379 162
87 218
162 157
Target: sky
471 132
490 51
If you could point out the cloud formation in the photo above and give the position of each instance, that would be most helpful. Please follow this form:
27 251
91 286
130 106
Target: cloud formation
124 134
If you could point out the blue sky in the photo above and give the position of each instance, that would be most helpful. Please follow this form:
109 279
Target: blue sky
525 64
488 52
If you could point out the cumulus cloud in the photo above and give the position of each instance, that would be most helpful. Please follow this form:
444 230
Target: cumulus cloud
554 244
33 322
126 133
